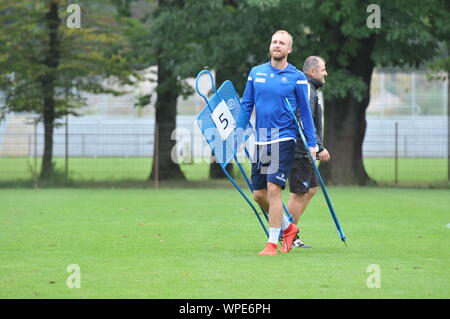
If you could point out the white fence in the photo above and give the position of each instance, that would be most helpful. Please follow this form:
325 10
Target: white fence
99 136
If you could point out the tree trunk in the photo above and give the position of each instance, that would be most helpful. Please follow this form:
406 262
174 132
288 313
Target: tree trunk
345 128
48 88
215 171
165 119
47 170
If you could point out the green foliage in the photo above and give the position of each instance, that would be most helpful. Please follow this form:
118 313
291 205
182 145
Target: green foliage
135 17
82 61
227 36
232 36
409 35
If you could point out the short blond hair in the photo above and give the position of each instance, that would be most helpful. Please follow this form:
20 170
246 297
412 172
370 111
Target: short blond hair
285 33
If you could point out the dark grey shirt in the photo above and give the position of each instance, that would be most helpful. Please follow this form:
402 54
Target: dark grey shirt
316 112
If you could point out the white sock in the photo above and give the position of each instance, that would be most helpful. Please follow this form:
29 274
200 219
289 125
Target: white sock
274 232
285 223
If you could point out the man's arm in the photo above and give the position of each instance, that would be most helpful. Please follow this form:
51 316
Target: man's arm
302 88
324 156
317 115
248 97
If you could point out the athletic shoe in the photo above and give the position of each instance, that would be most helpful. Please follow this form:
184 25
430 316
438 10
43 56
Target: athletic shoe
271 249
297 243
288 237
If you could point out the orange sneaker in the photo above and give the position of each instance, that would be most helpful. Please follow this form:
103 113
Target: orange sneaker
271 249
288 237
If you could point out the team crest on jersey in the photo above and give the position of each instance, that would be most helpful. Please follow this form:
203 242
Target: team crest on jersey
231 104
284 79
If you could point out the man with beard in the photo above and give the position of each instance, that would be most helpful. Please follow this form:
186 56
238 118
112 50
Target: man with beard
303 181
268 86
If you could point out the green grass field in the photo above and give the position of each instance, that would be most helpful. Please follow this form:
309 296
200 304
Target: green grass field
203 243
411 171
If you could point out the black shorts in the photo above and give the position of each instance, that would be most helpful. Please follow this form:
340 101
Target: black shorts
302 176
272 164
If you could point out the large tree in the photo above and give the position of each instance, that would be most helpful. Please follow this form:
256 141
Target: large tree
160 37
232 36
46 62
344 32
170 45
184 36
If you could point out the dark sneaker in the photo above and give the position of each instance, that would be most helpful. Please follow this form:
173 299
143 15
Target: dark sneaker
297 243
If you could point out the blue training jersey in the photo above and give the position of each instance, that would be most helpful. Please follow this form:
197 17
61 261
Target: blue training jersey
266 90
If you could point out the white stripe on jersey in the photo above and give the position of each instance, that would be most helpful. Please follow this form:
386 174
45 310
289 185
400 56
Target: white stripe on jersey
276 141
307 83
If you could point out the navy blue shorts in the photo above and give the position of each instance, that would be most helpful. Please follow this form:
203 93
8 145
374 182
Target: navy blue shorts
272 164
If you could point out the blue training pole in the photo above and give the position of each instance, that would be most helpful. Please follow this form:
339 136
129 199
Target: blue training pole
248 181
223 169
322 184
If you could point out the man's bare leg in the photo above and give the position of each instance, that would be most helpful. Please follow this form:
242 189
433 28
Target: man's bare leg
298 202
261 197
274 192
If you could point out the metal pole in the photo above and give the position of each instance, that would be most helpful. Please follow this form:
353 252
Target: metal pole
316 170
137 144
448 129
66 171
156 156
82 146
35 154
383 93
405 146
413 94
192 146
29 146
396 152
